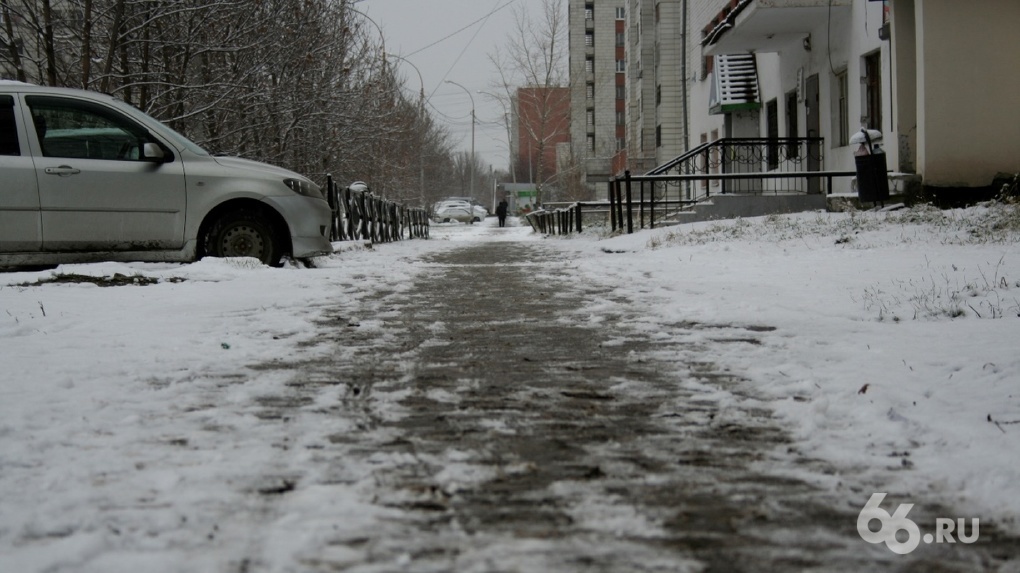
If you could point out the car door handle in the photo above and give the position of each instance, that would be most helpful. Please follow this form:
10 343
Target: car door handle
62 171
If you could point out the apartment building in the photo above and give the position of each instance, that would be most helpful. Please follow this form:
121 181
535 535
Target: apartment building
656 84
597 46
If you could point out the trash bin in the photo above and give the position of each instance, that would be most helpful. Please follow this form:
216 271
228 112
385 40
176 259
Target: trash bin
872 178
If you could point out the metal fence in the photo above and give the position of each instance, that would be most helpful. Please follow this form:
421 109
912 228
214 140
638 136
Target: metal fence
645 201
360 215
728 166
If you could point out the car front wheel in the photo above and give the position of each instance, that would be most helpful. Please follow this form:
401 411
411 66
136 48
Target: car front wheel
244 234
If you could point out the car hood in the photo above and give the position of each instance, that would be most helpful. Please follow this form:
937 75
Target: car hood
249 166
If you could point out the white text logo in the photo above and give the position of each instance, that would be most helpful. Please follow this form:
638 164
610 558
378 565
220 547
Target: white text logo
898 521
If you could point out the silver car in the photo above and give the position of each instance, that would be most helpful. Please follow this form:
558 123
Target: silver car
462 209
86 177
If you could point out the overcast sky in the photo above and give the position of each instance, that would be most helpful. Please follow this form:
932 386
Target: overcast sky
450 40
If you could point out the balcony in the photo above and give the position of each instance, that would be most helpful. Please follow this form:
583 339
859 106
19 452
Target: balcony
768 25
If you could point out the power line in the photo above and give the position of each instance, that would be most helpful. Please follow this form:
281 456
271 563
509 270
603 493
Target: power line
496 8
452 34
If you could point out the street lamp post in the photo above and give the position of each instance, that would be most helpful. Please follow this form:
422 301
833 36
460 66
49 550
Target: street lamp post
509 139
468 92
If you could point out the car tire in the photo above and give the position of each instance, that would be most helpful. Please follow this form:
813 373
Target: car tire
244 234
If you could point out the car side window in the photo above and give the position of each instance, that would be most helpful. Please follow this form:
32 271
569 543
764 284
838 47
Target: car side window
8 129
84 130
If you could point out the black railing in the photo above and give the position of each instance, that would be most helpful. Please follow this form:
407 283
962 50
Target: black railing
564 220
751 155
738 166
648 197
645 200
360 215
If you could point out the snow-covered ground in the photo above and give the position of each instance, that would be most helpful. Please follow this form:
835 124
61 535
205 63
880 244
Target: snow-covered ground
893 356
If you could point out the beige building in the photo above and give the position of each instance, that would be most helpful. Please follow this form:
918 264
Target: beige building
956 89
656 84
936 77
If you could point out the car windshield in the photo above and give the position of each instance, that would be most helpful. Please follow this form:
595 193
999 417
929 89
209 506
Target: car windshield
167 131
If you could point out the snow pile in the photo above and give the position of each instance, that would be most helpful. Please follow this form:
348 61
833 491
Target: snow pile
894 353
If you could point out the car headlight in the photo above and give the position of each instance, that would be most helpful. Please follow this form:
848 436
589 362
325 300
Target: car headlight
302 187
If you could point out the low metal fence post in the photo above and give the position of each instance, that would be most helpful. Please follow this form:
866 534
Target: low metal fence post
641 204
619 205
612 204
630 205
651 205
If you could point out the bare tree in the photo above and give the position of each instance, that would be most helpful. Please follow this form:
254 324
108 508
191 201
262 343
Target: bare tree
534 76
301 84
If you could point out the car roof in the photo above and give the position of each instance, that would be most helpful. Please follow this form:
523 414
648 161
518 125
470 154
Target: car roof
458 199
22 87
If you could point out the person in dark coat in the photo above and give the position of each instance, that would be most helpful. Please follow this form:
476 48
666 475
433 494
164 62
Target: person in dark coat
501 212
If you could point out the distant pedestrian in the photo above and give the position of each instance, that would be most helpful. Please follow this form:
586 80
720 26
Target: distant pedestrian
501 212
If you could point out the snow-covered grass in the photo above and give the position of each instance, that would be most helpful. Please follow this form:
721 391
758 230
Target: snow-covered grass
894 354
129 422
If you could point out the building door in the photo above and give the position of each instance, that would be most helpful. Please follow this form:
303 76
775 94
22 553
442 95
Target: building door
814 148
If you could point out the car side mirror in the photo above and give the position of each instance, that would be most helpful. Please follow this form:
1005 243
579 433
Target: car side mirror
154 153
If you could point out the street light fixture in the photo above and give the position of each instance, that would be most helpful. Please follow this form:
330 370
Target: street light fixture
468 92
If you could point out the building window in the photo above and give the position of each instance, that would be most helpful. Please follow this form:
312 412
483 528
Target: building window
589 65
621 39
772 133
621 13
589 39
591 143
590 91
658 94
621 66
873 91
621 143
842 117
792 130
658 136
621 118
591 118
621 92
589 11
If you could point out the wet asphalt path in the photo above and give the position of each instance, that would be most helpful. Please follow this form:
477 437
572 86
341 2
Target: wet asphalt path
532 439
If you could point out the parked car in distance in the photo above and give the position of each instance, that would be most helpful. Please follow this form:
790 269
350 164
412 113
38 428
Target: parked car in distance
86 177
462 209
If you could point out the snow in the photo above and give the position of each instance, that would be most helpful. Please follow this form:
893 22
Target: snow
888 342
